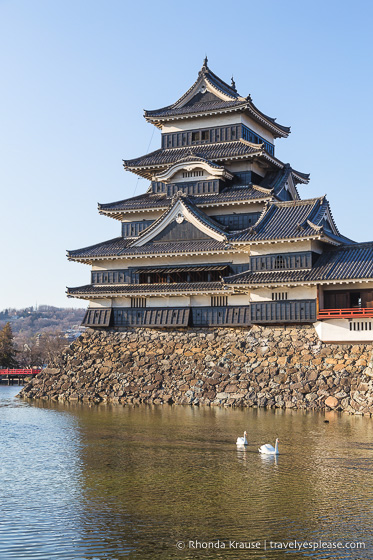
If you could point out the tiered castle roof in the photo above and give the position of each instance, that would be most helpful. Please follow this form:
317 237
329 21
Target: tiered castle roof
280 214
210 95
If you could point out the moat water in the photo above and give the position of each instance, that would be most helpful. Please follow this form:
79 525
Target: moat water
113 482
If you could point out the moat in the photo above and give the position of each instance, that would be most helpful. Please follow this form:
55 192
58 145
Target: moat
84 481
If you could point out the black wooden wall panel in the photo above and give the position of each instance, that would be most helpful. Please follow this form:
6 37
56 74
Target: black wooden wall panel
97 317
228 133
151 317
219 316
133 229
180 232
237 221
287 311
190 187
282 261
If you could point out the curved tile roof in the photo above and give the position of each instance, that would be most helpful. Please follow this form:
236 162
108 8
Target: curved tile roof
198 103
287 220
218 151
100 290
119 247
347 262
150 200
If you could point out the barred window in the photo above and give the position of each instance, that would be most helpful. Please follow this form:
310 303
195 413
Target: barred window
360 325
279 262
219 301
198 173
279 296
138 302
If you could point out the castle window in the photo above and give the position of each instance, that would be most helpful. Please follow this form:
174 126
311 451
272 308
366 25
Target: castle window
138 302
198 173
219 301
276 296
195 136
360 325
279 263
205 135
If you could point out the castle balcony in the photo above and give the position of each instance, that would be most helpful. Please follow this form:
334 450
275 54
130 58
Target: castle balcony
348 313
346 304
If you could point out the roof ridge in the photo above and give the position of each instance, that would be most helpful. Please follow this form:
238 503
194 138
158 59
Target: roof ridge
300 202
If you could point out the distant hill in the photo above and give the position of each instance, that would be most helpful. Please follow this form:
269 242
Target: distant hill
44 319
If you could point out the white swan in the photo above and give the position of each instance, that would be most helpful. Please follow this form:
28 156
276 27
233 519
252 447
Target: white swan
269 449
242 440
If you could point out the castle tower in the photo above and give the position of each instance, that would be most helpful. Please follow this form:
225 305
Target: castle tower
221 237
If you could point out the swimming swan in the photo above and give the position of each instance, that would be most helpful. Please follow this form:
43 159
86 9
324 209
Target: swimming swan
269 449
242 440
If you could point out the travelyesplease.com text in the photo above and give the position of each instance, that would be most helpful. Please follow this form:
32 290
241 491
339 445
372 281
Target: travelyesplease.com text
271 545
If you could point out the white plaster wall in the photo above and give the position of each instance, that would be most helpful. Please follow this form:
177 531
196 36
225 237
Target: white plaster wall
285 247
240 299
100 302
200 301
138 215
201 122
298 292
244 165
256 127
338 330
172 301
122 302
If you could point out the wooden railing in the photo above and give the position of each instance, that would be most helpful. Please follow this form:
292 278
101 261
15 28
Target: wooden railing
345 313
17 372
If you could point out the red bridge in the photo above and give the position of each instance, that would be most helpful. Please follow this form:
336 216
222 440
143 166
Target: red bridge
10 376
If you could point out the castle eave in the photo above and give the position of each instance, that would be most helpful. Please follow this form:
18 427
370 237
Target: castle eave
92 291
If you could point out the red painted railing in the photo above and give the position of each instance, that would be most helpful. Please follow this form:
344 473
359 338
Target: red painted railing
26 371
345 313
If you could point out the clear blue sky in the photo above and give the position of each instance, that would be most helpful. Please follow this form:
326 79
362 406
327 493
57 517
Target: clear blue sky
77 74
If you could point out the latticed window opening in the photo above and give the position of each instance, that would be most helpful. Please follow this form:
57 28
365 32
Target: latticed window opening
279 296
361 326
219 301
138 302
198 173
279 263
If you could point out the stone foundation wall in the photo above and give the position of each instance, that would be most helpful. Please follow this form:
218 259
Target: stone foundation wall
285 367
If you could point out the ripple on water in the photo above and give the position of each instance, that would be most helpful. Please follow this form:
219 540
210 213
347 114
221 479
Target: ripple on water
111 482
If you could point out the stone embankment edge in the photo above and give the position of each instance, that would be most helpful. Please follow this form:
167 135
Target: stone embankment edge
276 367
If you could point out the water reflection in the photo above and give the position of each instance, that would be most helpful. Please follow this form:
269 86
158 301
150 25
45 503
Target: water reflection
269 459
112 482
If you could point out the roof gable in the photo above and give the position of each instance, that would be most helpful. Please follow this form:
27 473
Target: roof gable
183 231
208 87
209 93
181 211
190 163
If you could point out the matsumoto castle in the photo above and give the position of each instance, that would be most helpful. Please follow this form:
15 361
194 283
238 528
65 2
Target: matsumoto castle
221 237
